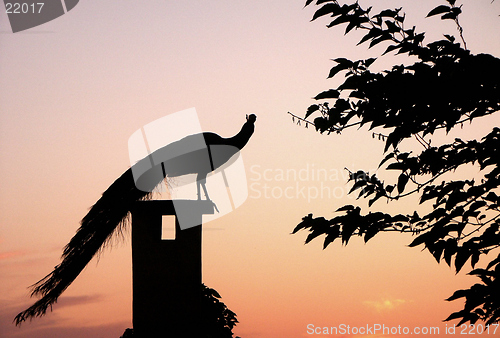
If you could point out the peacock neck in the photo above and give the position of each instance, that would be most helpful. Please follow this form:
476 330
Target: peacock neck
240 140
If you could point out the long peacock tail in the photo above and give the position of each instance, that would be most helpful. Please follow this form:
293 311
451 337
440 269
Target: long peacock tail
106 218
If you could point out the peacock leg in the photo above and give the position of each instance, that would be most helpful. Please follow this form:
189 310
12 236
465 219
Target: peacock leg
202 183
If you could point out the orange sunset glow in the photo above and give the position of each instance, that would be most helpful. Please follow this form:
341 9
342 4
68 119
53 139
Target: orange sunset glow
72 92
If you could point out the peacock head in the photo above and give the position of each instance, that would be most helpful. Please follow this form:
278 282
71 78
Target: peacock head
251 118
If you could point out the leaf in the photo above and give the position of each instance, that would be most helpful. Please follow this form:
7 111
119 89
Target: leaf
341 19
396 166
343 61
347 231
463 255
387 13
345 208
391 48
374 32
393 139
306 223
392 28
313 235
419 240
337 68
449 250
215 293
368 62
352 83
342 105
439 9
311 110
326 9
475 258
356 23
451 15
449 37
333 233
493 262
384 37
373 200
438 249
367 191
476 205
388 157
321 124
328 94
370 233
492 197
402 180
357 185
456 295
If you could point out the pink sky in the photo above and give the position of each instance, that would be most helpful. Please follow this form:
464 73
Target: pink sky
72 91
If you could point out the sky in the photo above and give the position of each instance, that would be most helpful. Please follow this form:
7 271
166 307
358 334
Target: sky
72 92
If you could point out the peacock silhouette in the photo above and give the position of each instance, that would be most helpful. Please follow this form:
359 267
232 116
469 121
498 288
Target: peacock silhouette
108 216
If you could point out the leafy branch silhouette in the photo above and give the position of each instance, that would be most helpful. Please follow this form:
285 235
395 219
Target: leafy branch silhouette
446 87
